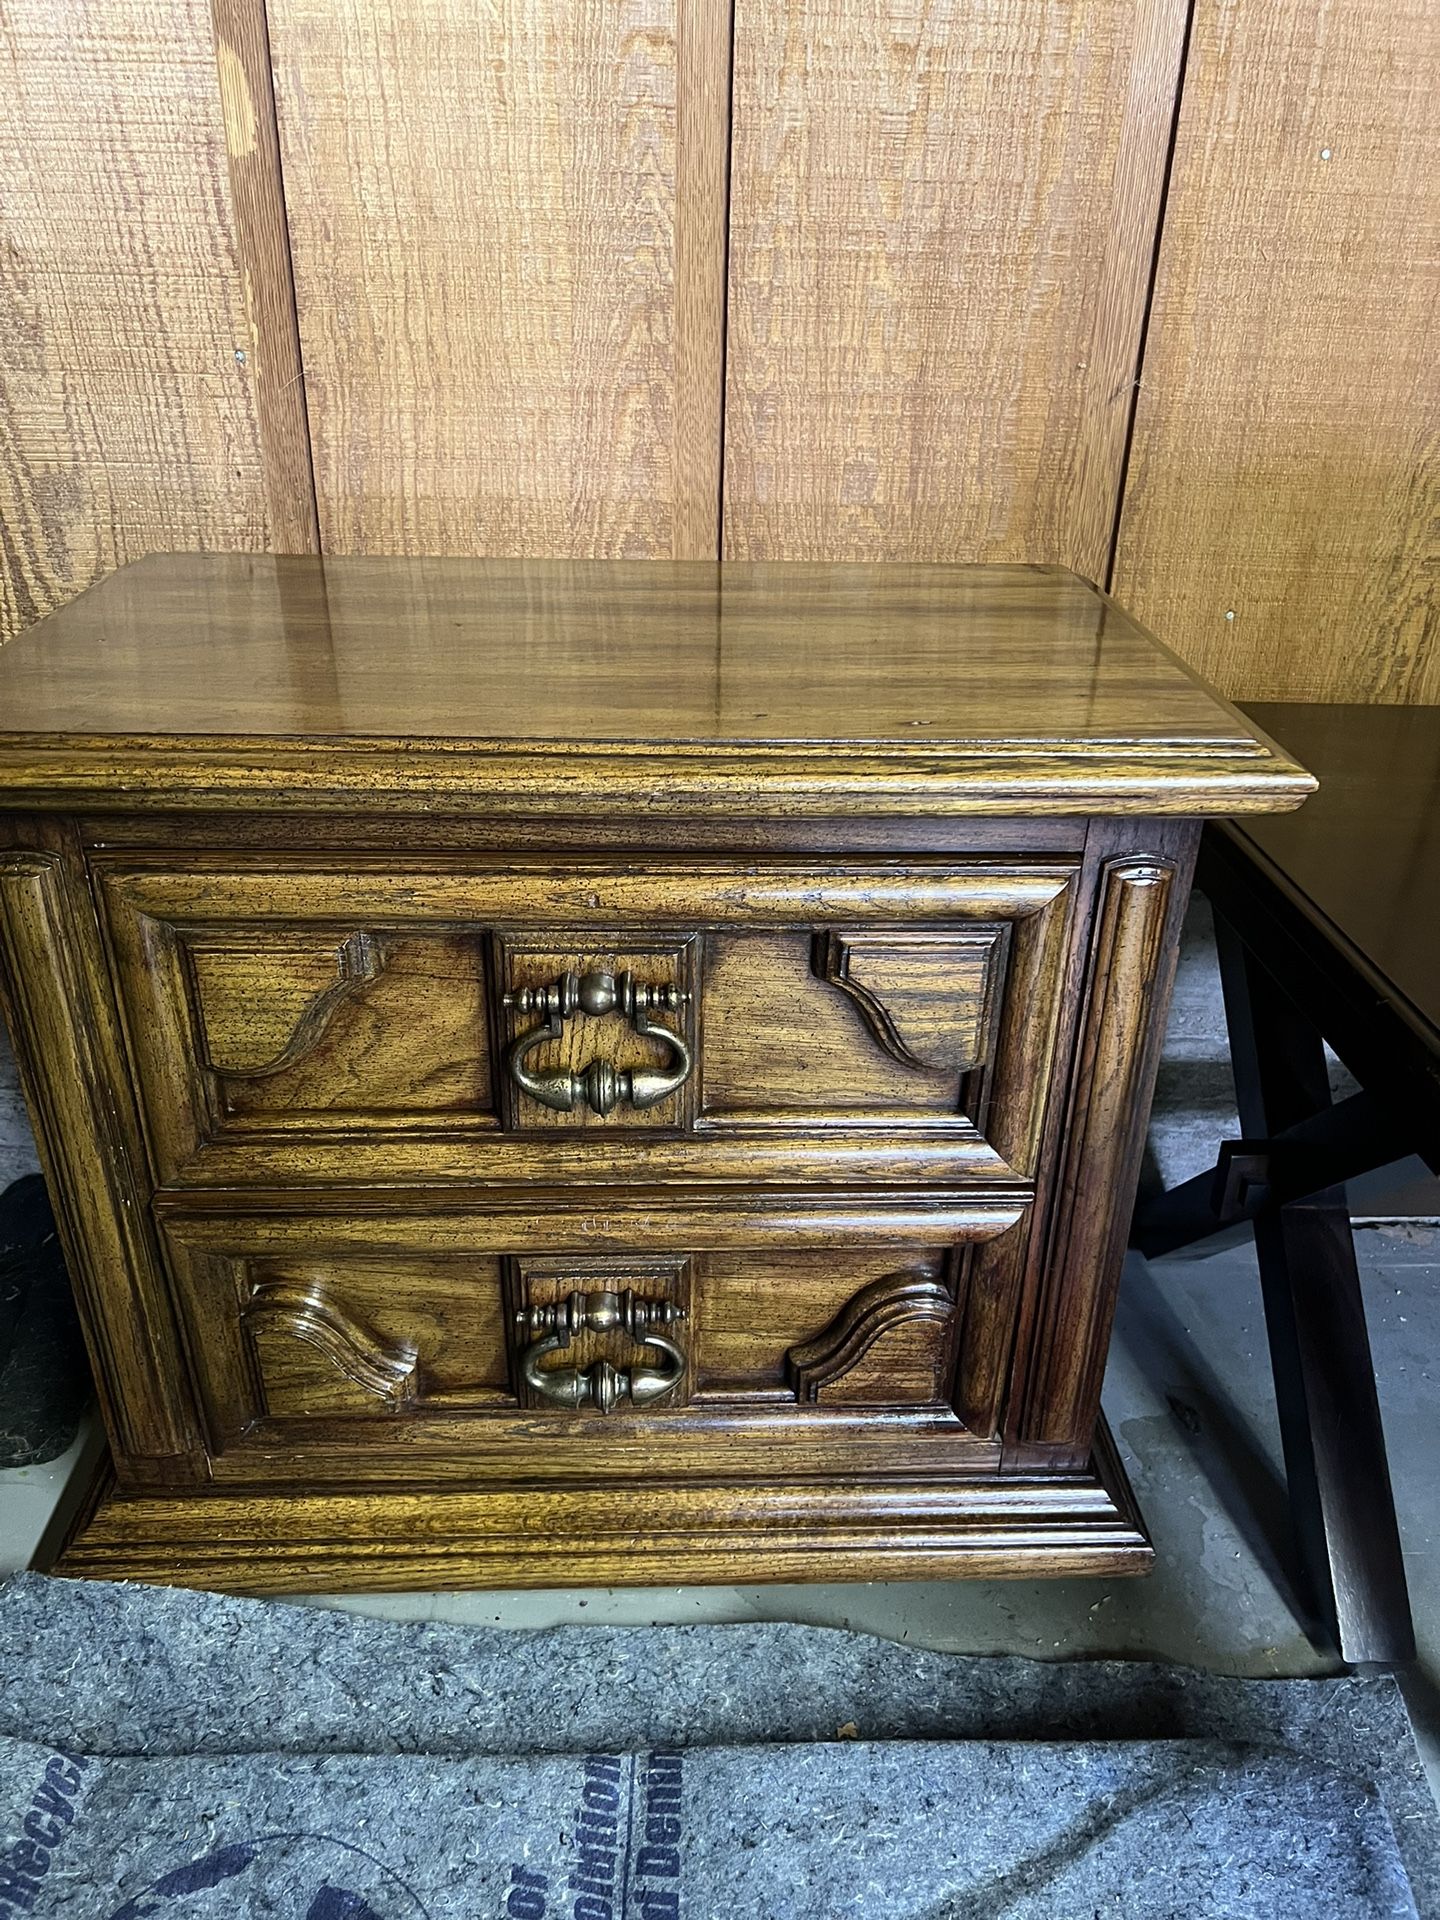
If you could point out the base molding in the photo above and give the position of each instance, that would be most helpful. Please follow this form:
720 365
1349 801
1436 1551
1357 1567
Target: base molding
269 1541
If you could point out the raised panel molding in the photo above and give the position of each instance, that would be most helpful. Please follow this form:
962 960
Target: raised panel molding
911 1314
812 1366
55 1002
1141 897
281 1312
925 996
359 958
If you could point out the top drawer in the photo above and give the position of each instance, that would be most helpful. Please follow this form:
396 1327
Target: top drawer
589 1021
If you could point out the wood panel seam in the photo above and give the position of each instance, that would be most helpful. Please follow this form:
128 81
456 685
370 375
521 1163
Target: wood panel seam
245 77
1143 339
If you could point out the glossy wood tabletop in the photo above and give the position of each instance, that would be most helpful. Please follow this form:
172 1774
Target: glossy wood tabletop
1365 854
924 664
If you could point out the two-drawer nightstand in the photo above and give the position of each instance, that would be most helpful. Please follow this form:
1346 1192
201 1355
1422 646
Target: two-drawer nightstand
557 1073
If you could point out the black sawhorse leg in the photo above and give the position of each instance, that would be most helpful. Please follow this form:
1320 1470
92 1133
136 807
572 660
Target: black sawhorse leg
1335 1463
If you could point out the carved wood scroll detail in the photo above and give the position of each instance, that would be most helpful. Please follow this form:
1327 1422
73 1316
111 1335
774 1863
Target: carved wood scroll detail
923 993
359 959
912 1313
304 1312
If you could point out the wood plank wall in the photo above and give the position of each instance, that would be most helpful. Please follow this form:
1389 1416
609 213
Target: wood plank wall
942 221
127 421
509 270
1282 514
860 278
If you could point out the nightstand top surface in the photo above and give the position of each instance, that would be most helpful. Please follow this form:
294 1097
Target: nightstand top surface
948 689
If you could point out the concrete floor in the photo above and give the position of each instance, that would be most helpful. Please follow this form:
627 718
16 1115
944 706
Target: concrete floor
34 1500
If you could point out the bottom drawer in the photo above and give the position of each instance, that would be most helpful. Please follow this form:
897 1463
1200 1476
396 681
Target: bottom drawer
374 1348
388 1405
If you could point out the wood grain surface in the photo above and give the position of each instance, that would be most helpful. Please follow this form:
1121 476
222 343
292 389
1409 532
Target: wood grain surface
126 421
62 1022
507 273
292 1008
242 64
942 229
565 686
702 216
640 1535
1137 937
506 233
427 1540
1281 510
548 650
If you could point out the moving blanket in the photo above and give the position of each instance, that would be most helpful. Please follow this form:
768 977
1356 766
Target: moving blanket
978 1830
177 1754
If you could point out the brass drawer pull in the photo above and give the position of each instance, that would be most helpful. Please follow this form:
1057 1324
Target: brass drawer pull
601 1085
601 1385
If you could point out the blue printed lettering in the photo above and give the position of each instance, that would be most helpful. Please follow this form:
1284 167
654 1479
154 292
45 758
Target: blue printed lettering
43 1828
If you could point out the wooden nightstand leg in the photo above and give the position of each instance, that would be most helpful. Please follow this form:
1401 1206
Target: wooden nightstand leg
1335 1461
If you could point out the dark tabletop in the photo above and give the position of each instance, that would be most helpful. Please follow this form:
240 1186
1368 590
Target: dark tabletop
1365 850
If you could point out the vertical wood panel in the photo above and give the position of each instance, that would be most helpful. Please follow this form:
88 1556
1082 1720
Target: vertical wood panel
54 996
702 169
1286 462
126 424
943 220
483 206
242 58
1139 903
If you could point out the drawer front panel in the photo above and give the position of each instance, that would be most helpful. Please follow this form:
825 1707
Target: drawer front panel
294 1030
592 1022
353 1345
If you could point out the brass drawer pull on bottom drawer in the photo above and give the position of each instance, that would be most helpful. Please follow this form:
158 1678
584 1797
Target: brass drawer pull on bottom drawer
601 1085
602 1384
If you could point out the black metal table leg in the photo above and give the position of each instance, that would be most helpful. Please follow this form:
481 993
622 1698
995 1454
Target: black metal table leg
1335 1461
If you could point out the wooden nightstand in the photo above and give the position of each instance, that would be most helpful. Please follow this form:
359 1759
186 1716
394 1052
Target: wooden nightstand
558 1073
